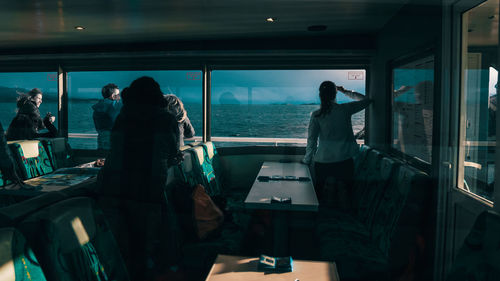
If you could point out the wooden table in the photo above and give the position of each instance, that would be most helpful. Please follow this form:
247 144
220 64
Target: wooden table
301 193
56 181
234 268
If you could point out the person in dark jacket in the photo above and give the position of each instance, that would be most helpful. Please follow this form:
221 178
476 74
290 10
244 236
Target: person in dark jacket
144 144
27 122
176 108
105 113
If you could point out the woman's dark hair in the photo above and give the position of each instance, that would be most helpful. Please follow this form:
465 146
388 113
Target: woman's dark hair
144 91
108 90
327 93
25 97
34 92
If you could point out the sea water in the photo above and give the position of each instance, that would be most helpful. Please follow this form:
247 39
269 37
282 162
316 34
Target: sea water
228 120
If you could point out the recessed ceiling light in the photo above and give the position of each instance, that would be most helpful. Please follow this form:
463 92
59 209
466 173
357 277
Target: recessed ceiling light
79 27
316 28
271 19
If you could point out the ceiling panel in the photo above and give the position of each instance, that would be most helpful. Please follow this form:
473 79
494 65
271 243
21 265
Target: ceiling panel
52 23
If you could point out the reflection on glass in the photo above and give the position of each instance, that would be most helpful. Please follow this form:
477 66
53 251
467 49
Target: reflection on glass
84 90
274 103
412 104
12 84
479 99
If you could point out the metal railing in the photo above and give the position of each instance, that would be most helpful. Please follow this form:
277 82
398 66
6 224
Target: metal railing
274 141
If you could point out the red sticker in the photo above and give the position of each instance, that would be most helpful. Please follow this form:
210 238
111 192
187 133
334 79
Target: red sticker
355 75
193 75
51 77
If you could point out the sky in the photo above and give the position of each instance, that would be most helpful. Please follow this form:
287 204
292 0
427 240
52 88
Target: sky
228 86
493 81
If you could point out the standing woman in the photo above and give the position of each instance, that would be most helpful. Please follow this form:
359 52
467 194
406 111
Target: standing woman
27 122
337 145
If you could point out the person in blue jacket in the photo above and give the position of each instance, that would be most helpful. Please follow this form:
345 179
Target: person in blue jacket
105 113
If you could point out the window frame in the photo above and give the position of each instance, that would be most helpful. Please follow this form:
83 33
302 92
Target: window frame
458 185
205 61
391 66
257 67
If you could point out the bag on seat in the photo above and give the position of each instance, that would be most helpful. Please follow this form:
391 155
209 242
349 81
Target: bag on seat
198 215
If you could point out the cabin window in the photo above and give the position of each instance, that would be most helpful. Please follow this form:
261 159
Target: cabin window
251 107
14 84
412 108
479 79
84 90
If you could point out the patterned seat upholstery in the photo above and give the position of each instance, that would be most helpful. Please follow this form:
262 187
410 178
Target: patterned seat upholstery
72 241
17 259
361 243
31 157
3 180
361 157
203 165
59 152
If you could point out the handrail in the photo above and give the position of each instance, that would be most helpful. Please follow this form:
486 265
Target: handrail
224 139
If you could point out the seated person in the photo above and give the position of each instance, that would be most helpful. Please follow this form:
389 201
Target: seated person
27 122
105 113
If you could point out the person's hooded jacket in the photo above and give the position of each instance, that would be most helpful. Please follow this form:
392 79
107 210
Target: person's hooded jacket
27 122
105 113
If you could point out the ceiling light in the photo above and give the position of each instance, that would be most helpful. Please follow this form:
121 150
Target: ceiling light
316 28
79 27
271 19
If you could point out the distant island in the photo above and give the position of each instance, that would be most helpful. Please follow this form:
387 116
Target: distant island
10 95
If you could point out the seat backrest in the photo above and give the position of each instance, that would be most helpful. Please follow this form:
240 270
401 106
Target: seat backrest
31 157
366 181
18 263
72 241
3 180
389 209
59 152
360 157
478 257
186 171
13 214
387 169
144 243
413 226
212 156
204 168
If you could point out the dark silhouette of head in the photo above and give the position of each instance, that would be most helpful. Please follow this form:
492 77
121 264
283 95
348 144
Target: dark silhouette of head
143 91
107 91
327 94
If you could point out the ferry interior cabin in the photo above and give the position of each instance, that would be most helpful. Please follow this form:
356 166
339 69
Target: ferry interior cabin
238 199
